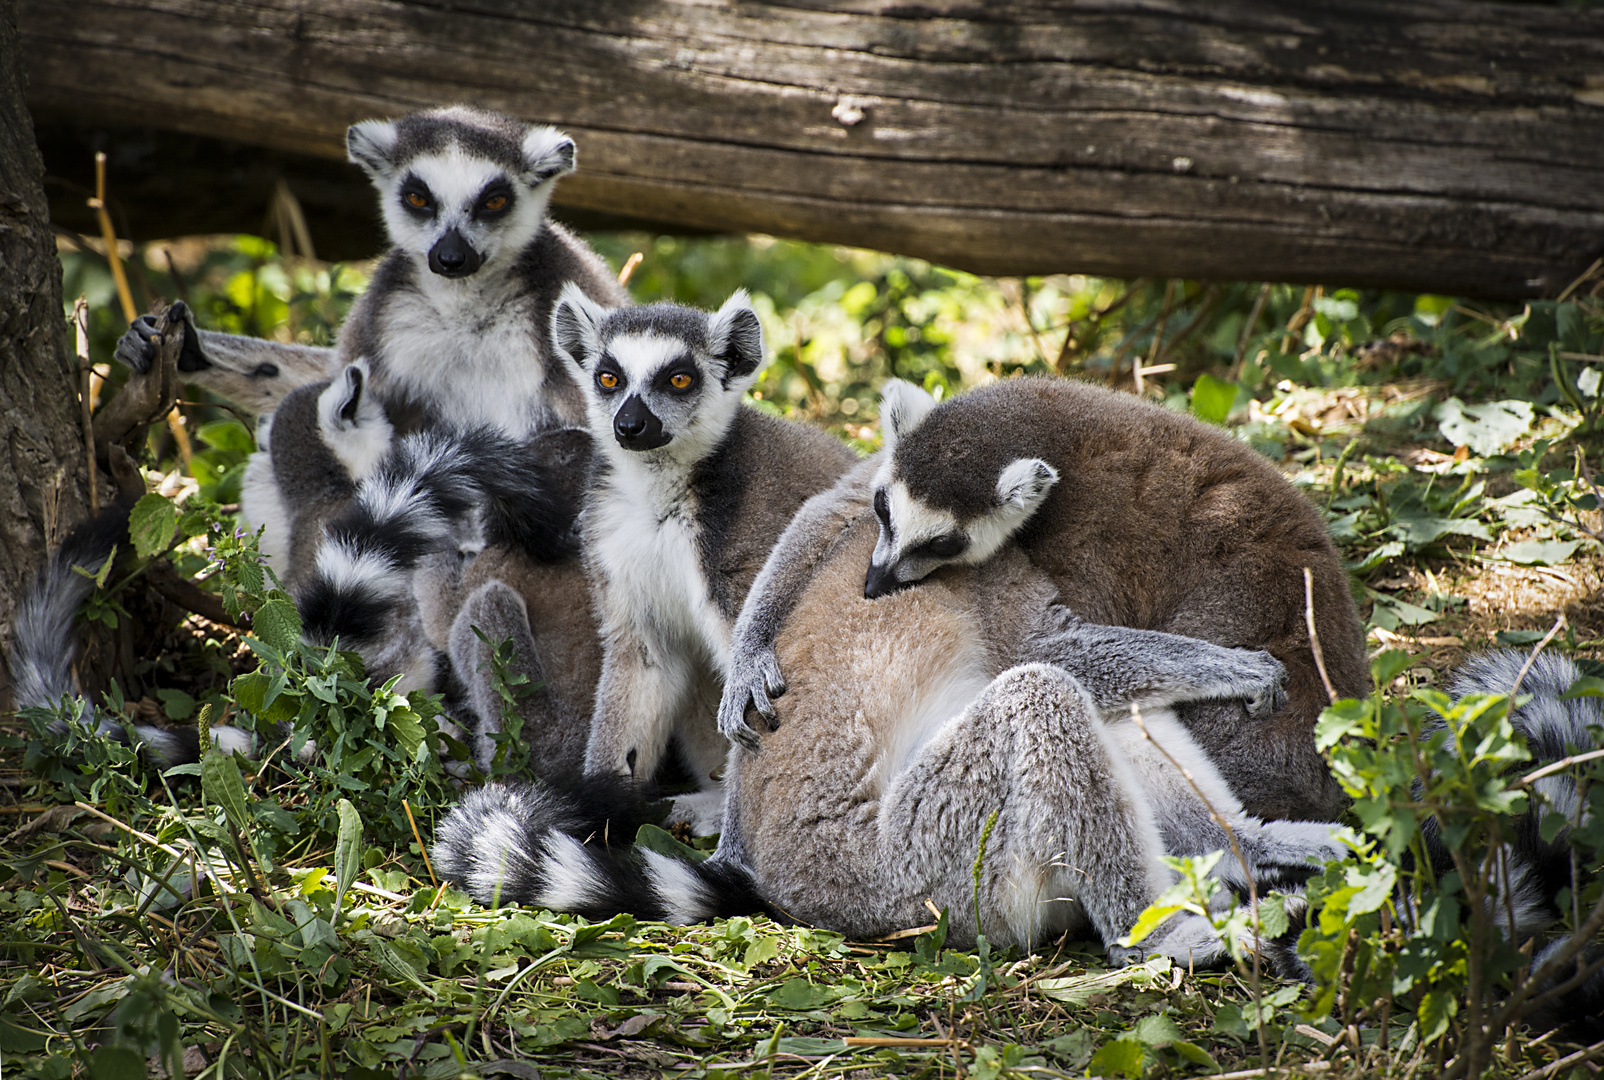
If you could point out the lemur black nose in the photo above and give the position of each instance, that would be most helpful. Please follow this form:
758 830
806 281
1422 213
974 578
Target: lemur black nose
636 427
453 257
881 581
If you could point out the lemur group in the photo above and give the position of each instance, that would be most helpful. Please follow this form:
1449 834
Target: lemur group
1023 617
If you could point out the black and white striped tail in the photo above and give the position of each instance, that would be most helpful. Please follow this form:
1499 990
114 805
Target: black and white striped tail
571 849
430 492
45 640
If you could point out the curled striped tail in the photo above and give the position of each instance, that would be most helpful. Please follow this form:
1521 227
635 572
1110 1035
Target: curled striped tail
569 848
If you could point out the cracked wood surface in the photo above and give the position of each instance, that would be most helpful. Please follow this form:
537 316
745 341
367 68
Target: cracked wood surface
1450 146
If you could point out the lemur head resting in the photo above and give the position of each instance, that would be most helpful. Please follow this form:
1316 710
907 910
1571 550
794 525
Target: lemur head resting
945 493
662 382
460 187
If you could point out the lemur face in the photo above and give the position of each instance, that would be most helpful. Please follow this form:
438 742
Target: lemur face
660 380
923 527
461 188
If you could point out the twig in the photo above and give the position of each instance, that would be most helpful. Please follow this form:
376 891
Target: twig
630 266
1553 1067
1247 332
1573 286
1094 320
1247 874
1559 624
1314 635
1558 766
1300 318
80 322
109 236
191 597
1158 337
421 846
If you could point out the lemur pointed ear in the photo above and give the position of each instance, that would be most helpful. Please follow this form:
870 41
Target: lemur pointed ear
576 327
370 144
1024 484
548 154
340 406
902 407
735 337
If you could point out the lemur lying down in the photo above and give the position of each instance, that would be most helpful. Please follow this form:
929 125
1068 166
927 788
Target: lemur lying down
909 720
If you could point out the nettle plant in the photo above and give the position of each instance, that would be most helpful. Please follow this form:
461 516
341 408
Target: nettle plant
1395 941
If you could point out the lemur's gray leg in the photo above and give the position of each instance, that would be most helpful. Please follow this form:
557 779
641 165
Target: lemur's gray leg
754 672
249 372
556 737
1075 838
1120 667
639 701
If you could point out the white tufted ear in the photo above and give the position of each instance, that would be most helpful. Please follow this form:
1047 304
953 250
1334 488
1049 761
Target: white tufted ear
370 144
576 328
902 407
735 338
1024 484
548 154
352 421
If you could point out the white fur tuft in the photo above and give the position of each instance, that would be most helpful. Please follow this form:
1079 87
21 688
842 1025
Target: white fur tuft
369 144
685 897
902 407
575 330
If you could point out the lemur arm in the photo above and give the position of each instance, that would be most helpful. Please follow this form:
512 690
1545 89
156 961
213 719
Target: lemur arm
253 373
1122 667
754 673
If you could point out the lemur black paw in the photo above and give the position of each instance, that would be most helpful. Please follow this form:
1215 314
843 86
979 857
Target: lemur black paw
137 347
753 679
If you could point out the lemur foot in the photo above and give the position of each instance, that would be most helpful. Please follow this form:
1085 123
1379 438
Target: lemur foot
753 680
138 346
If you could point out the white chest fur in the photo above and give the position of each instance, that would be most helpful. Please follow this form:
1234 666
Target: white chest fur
642 542
471 352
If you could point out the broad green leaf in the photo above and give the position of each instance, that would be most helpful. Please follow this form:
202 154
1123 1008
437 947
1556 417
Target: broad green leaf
1418 531
176 704
223 785
1273 920
151 525
1195 1054
277 623
1212 399
1157 1030
1486 428
227 435
1386 551
1150 920
347 851
1437 1008
1586 686
116 1063
1540 552
1118 1057
393 962
799 994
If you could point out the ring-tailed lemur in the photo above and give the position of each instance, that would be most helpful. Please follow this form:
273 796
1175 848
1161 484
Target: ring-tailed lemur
909 722
454 323
690 491
1140 516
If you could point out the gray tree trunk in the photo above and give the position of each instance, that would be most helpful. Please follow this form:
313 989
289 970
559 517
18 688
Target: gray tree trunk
43 474
1423 144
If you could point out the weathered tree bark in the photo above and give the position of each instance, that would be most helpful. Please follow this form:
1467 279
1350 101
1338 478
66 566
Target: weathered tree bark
43 483
1431 144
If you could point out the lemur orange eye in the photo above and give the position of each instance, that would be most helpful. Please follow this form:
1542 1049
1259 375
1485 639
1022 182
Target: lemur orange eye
417 200
607 379
495 202
681 381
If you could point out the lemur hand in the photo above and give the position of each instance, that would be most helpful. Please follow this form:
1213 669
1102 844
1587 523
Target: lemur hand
1266 678
138 347
753 679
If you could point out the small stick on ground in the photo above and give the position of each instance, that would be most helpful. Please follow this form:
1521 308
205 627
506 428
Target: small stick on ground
421 846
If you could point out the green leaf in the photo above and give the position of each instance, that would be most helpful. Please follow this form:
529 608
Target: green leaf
1212 399
1273 919
799 994
1418 531
1487 428
1437 1008
347 851
1155 1031
661 841
1195 1054
1586 686
222 784
151 525
277 623
176 704
116 1063
1150 920
390 960
1118 1057
1540 552
227 435
1377 557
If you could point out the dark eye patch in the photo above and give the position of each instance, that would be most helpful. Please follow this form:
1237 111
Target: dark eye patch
610 378
495 200
678 378
947 546
416 198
